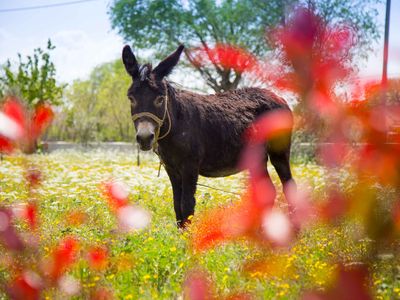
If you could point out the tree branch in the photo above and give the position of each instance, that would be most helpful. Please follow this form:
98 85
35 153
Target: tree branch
207 50
203 72
238 78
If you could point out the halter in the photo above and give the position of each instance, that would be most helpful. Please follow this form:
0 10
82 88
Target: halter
156 119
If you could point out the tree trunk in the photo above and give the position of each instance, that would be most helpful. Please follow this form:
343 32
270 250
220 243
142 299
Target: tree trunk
29 147
226 84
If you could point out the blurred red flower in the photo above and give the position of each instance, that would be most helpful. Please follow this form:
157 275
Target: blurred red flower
8 235
226 56
351 284
33 176
63 257
98 257
198 286
26 286
31 215
102 294
19 125
115 193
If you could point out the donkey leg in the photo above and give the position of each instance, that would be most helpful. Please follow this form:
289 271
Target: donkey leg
268 179
281 163
176 182
188 202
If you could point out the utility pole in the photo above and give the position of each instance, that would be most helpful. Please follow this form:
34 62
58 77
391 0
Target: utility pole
386 45
384 69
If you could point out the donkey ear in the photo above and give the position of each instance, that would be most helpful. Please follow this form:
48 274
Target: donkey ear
130 62
165 67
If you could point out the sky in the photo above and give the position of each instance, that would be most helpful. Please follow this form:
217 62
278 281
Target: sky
84 38
81 33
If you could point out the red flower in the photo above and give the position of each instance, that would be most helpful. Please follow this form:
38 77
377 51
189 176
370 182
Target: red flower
31 215
12 124
226 56
351 283
41 118
14 109
19 125
232 57
116 194
5 145
26 286
197 286
102 294
97 257
8 235
63 257
270 126
317 58
335 207
33 176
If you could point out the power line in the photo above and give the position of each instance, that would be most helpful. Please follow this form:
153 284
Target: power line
44 6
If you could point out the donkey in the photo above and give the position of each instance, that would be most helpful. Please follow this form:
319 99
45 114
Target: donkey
196 134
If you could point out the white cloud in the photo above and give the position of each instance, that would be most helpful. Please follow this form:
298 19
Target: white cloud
76 53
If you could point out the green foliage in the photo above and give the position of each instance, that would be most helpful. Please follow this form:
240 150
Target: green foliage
161 25
96 109
373 93
303 146
34 80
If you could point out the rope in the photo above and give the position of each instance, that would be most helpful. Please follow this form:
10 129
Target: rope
166 113
169 124
160 122
138 156
217 189
198 184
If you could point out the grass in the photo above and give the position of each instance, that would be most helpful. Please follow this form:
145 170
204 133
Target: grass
152 264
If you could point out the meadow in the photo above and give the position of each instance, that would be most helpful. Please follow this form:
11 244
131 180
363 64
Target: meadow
152 263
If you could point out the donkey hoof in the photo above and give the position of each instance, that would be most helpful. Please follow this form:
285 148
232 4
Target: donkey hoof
183 225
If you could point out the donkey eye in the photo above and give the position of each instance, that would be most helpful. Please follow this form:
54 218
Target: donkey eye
159 101
133 101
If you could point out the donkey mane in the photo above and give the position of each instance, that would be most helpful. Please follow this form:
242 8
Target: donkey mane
145 71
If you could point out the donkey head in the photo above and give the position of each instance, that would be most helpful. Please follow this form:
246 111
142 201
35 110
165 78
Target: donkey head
148 95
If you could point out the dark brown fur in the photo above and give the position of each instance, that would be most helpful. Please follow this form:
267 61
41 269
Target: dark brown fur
206 136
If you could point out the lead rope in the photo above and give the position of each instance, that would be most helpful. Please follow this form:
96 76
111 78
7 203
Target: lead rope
198 184
166 114
218 189
159 122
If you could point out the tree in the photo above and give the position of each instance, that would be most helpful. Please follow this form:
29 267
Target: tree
34 80
373 93
96 109
162 24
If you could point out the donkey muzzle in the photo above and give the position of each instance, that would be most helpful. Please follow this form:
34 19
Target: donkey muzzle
145 135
